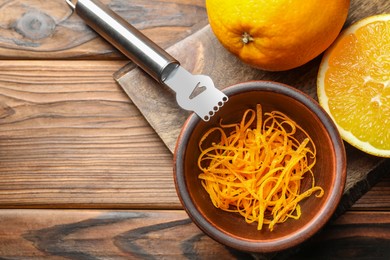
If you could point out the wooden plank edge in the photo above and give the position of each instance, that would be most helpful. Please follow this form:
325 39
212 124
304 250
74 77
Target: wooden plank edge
363 186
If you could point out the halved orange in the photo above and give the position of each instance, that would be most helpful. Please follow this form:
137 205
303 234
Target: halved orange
353 84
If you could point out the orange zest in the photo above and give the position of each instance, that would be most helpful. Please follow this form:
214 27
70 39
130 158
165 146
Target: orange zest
256 167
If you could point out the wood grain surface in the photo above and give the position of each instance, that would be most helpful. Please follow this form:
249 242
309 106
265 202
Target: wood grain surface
87 234
82 173
70 137
38 29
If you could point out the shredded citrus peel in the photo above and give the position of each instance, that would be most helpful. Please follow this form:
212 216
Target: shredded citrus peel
257 171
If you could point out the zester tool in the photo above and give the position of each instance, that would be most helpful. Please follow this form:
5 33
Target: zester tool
193 92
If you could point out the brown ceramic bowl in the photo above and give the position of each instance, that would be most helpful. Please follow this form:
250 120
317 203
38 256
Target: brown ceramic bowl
231 229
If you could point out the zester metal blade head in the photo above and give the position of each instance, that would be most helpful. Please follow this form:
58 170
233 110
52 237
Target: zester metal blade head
196 93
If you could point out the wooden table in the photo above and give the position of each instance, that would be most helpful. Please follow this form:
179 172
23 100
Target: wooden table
82 173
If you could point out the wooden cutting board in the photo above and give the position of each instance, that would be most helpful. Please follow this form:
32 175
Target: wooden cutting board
201 53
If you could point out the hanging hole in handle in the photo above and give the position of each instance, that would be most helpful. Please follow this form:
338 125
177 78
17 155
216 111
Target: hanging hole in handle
71 4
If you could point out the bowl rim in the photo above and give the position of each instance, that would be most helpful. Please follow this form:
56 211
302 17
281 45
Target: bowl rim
319 219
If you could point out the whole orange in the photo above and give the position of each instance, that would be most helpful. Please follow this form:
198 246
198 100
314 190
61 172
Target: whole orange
277 35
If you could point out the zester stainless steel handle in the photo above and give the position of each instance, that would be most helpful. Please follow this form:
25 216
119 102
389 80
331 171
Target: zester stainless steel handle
126 38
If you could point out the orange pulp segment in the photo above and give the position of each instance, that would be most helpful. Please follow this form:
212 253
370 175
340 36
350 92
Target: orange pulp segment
353 84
